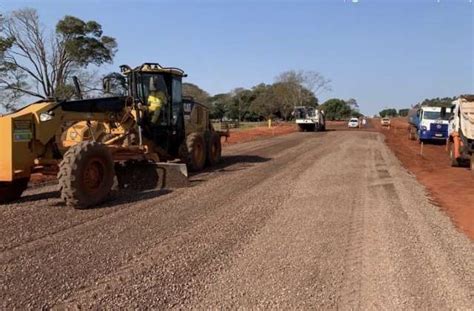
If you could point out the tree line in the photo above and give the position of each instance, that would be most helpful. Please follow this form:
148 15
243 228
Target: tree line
435 102
277 100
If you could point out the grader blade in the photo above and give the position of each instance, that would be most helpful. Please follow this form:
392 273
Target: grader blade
148 176
174 175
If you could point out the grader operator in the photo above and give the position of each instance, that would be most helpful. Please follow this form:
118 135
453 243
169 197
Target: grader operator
90 142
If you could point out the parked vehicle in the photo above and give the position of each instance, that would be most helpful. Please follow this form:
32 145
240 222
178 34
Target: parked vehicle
353 123
309 119
461 131
385 121
429 123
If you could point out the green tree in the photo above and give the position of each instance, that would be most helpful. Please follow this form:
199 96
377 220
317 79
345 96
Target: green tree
195 92
219 105
353 104
35 64
438 102
403 112
336 109
390 112
265 104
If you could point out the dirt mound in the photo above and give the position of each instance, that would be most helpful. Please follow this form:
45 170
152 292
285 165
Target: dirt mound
452 188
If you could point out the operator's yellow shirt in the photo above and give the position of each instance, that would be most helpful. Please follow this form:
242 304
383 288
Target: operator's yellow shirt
156 99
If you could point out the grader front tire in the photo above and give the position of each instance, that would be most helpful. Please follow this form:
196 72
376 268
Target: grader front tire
86 175
196 152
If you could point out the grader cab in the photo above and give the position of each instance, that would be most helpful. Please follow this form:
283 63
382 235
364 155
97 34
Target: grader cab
92 143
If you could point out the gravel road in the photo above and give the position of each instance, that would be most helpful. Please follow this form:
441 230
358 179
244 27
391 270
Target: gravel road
307 220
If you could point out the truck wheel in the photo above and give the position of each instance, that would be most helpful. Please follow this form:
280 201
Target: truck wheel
196 152
214 150
86 174
453 160
300 128
11 191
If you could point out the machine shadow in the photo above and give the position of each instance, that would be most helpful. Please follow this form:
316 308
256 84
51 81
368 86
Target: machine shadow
229 161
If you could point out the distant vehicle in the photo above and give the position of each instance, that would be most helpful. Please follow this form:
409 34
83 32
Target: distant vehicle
309 119
461 131
429 123
385 121
353 122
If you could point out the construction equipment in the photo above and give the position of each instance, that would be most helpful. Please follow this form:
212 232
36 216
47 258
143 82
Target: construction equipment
93 143
428 123
460 143
309 119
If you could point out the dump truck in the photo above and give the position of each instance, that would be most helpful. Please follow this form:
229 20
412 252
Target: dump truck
428 123
93 144
309 119
460 143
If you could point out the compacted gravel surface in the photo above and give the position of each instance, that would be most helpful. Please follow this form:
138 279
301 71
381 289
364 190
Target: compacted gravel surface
307 220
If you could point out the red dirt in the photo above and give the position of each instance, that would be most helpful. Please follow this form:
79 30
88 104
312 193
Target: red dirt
244 135
452 188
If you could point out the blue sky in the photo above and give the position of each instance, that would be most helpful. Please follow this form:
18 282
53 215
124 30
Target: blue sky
383 53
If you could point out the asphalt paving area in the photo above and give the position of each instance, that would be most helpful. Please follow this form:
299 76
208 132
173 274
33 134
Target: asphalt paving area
307 220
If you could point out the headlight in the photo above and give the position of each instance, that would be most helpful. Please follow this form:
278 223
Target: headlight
423 128
46 116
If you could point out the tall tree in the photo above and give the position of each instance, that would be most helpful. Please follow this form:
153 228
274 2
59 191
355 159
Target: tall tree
219 105
353 104
336 109
304 86
196 92
35 64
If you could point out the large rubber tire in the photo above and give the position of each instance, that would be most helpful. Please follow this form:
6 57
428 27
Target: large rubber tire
12 191
454 162
196 152
214 149
86 175
300 128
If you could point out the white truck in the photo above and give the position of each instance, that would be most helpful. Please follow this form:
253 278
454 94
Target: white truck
461 131
309 119
429 123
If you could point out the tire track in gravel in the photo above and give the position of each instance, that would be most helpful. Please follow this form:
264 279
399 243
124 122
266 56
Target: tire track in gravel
89 232
55 218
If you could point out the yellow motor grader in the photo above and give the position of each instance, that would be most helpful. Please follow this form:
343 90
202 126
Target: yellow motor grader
94 143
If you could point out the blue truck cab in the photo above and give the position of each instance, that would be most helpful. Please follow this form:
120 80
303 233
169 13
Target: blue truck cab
430 123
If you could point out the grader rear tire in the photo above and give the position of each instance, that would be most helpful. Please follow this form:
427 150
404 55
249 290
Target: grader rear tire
196 152
86 175
214 150
12 191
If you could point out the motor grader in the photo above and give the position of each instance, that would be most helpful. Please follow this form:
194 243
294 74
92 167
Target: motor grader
93 144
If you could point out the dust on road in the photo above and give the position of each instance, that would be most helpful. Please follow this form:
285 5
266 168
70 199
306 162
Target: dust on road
321 220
